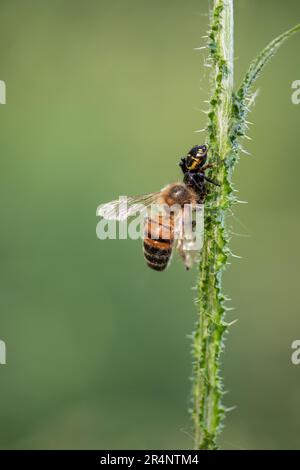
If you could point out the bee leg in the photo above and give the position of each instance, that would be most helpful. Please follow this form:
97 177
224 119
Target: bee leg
183 254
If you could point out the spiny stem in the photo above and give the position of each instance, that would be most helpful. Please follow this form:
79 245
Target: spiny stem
227 124
242 99
207 413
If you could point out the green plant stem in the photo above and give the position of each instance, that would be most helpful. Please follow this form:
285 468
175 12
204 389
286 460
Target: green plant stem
210 328
227 124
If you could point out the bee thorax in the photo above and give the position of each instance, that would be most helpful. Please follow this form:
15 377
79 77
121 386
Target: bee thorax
178 194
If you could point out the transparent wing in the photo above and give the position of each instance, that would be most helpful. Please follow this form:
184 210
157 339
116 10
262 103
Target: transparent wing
190 235
188 251
125 206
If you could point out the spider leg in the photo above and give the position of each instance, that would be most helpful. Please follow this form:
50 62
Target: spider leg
211 181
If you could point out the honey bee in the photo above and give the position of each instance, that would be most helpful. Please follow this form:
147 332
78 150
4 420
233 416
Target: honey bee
160 228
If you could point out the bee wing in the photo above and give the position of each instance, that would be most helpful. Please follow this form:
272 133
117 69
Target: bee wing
125 207
188 251
188 240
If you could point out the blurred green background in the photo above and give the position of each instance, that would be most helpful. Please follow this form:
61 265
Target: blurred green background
103 97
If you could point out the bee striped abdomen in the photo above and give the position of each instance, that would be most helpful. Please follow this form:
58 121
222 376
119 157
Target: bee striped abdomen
158 241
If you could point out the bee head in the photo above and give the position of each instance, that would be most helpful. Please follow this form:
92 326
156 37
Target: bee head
197 157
